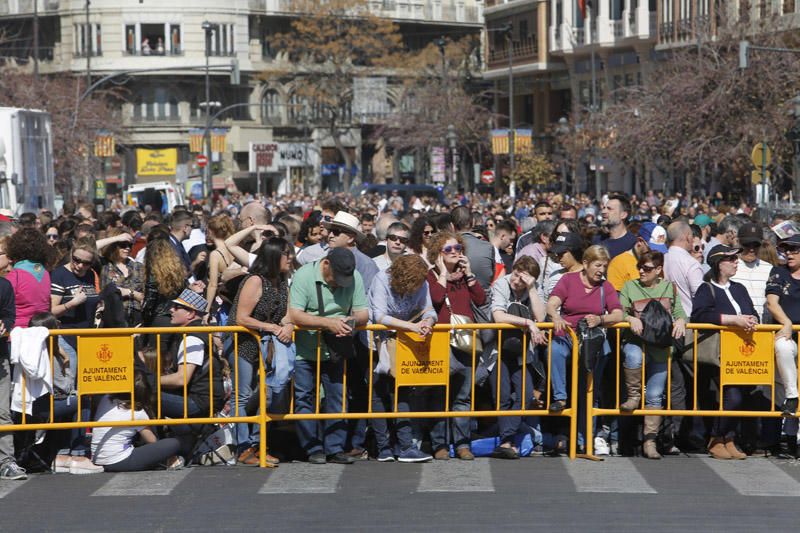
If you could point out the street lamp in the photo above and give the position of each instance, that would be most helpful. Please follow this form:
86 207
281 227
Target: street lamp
452 138
562 130
442 43
207 186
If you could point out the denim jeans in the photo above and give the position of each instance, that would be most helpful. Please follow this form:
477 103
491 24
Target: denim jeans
172 406
69 441
510 394
460 394
656 374
247 435
334 432
383 402
561 352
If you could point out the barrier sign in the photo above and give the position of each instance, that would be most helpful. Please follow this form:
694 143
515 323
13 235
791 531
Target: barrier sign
105 365
746 358
422 361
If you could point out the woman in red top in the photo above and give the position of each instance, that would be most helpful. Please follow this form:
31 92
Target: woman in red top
453 288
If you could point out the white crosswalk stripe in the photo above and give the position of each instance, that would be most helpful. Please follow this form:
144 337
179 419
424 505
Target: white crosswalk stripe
7 487
142 483
303 478
755 477
456 476
616 474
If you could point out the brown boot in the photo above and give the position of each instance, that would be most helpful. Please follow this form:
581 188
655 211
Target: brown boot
651 426
633 382
717 449
734 452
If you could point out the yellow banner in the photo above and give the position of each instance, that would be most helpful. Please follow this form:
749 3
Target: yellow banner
195 143
218 142
105 365
746 358
104 146
422 361
156 162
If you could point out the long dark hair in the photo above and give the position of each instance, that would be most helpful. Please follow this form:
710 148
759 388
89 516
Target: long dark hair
268 259
415 235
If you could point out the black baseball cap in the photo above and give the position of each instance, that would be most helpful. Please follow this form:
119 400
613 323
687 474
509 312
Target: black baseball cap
566 242
720 251
343 264
792 241
750 234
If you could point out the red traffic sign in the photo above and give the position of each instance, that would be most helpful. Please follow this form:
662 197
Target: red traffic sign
487 177
201 160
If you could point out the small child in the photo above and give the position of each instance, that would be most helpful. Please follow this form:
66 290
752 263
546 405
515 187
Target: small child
113 447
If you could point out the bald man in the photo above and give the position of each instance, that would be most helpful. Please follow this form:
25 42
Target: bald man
254 213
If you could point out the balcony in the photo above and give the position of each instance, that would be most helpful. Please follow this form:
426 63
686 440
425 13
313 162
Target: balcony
523 50
422 10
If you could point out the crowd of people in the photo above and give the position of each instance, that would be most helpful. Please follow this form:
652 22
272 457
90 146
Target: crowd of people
305 273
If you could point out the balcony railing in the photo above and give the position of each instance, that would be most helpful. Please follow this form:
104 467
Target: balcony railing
446 11
526 48
617 29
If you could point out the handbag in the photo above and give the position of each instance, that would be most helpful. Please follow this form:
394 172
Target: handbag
461 339
339 348
657 322
707 345
592 339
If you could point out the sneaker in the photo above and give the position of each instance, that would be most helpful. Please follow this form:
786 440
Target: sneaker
614 449
83 466
601 446
317 458
386 456
358 454
340 458
413 455
176 463
12 471
61 464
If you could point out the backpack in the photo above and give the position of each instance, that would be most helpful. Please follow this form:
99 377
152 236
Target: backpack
657 321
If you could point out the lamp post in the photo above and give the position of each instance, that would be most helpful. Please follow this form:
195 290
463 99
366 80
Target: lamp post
442 43
207 186
562 130
452 138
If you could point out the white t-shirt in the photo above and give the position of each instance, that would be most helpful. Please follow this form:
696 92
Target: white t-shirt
110 445
195 349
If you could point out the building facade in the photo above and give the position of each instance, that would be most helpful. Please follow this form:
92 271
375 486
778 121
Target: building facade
166 44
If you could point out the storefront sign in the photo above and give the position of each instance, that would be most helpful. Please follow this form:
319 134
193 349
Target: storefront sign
156 162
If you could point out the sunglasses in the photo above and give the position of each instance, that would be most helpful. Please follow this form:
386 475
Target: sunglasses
699 247
457 248
327 218
790 251
80 261
125 246
647 268
52 237
428 233
395 238
730 258
751 245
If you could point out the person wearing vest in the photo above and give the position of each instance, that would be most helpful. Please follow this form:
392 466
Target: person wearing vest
192 353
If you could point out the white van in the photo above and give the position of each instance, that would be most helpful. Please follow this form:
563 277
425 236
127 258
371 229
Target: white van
161 196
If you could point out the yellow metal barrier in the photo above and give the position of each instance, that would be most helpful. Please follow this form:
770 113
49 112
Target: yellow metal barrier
694 411
104 347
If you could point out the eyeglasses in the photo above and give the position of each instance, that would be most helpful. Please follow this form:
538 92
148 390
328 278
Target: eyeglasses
78 261
790 251
457 248
52 236
395 238
647 268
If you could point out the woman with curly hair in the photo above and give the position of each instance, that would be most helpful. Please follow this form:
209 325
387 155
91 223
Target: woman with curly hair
32 258
399 299
165 279
311 230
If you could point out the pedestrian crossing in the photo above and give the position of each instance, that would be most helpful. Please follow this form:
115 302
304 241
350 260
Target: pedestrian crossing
755 477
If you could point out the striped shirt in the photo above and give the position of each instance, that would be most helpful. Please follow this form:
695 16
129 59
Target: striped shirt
754 277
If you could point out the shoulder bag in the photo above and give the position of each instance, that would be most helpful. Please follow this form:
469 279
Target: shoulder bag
592 339
707 344
461 339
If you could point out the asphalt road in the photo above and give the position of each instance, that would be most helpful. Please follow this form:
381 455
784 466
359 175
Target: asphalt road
619 494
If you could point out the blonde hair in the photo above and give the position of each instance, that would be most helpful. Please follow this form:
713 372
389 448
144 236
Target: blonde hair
85 244
595 253
163 265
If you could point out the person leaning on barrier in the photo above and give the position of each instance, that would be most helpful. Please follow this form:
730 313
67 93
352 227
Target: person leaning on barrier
399 299
783 303
576 296
333 280
726 303
634 297
192 364
453 290
515 301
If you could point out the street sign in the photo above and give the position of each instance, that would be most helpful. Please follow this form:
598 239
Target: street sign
761 156
487 177
755 176
201 160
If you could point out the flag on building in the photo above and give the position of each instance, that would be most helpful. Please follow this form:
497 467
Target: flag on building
104 145
218 140
583 4
499 142
523 141
196 141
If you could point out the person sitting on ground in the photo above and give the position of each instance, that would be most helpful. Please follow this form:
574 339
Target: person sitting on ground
114 448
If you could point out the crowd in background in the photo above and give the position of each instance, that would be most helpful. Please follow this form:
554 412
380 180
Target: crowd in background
334 263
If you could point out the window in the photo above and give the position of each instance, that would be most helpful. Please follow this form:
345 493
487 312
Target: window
158 104
220 40
270 106
86 36
156 39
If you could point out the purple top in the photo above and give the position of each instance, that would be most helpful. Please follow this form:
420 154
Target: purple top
576 302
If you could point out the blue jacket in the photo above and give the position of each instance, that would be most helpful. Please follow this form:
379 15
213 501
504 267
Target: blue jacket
708 308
